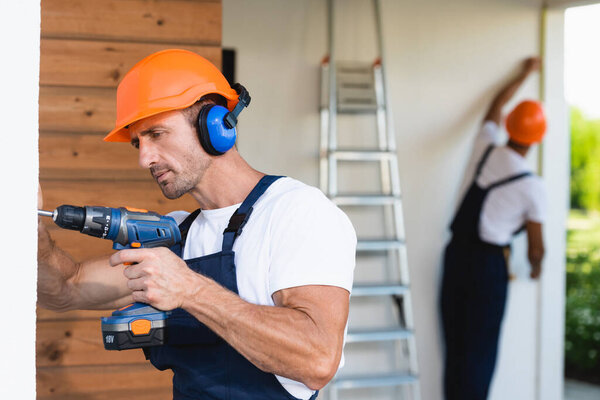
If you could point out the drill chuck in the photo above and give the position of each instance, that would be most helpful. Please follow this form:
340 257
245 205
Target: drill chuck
70 217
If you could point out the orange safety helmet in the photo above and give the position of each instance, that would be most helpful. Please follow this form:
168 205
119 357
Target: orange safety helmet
167 80
526 124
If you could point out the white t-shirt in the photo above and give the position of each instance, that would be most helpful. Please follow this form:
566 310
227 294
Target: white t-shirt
509 206
295 236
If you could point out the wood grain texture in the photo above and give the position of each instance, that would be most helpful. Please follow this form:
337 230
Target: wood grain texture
164 393
77 109
47 315
70 156
100 63
144 195
86 382
78 342
171 21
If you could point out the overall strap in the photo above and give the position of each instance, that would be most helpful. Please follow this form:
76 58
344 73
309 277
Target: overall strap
242 214
483 159
184 228
508 180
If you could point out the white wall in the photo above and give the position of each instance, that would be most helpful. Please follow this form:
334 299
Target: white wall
555 168
444 61
19 40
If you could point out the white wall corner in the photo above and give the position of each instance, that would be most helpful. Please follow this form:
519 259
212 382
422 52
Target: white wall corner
19 80
555 167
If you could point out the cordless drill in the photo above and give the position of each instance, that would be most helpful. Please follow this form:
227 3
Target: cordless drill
138 324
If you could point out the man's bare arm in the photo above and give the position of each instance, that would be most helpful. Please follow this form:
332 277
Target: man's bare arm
64 284
508 91
535 243
300 338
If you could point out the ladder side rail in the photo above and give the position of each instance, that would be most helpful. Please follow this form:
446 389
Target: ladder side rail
332 81
382 134
324 123
380 45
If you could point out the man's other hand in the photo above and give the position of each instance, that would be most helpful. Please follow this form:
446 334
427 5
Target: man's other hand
157 276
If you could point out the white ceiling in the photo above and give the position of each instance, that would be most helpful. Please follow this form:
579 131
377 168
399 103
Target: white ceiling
569 3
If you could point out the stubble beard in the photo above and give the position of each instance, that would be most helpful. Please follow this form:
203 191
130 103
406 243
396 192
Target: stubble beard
183 182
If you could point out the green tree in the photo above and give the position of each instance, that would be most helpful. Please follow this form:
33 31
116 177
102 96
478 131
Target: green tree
582 320
585 162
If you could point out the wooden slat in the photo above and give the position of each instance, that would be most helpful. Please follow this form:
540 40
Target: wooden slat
111 175
77 109
144 195
88 381
71 343
100 63
72 156
47 315
173 21
123 394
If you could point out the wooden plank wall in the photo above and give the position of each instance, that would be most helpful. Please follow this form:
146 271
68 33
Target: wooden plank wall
86 48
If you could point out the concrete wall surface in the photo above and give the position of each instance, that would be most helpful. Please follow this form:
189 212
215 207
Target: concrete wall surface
444 62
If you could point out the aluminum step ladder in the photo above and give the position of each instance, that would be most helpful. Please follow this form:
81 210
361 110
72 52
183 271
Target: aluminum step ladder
354 89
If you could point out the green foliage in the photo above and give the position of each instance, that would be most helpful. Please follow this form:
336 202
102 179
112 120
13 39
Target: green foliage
582 325
585 162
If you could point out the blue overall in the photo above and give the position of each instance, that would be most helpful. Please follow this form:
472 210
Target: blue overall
204 365
473 297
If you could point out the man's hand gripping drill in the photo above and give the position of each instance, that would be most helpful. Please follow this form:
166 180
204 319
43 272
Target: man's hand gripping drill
138 324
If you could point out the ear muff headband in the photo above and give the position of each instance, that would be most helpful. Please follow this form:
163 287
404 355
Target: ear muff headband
217 124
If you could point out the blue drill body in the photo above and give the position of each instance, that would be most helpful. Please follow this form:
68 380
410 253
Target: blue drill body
137 325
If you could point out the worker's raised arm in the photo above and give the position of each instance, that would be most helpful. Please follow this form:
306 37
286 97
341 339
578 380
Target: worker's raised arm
535 245
494 113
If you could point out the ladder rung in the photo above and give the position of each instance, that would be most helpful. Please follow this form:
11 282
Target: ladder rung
377 335
379 245
365 200
354 68
379 290
362 155
356 108
366 381
349 108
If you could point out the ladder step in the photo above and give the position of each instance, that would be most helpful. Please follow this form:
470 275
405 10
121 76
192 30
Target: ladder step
379 290
347 107
365 200
379 245
362 155
367 381
377 335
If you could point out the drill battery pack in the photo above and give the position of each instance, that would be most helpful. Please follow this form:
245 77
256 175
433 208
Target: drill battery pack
134 326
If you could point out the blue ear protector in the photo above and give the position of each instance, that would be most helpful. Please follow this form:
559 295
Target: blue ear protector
216 124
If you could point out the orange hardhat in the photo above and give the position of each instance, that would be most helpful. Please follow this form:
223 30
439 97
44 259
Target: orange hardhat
167 80
526 124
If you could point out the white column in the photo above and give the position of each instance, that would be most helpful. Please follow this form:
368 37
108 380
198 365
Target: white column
555 166
19 81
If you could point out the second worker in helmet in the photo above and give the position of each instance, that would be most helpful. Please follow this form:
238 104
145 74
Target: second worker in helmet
504 197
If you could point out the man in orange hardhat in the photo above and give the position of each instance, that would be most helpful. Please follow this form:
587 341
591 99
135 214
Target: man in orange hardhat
504 197
260 291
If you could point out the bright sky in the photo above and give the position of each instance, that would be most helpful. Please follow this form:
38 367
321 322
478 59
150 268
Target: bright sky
582 59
